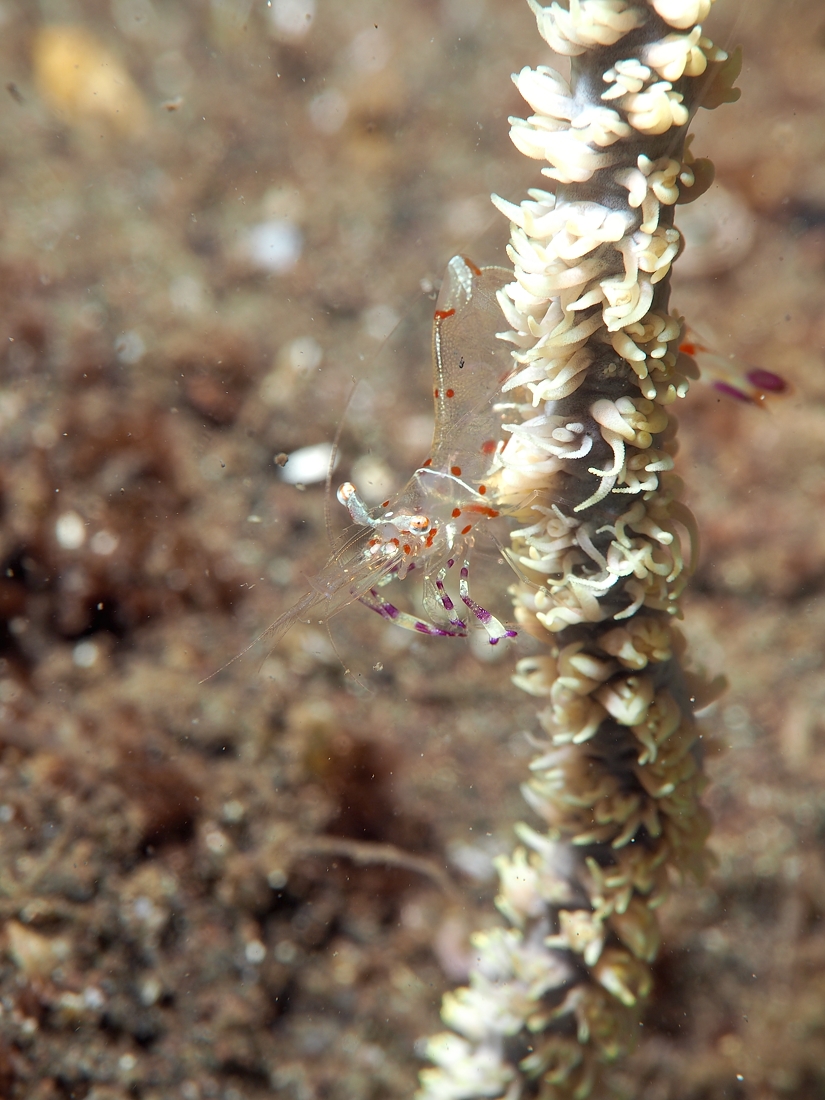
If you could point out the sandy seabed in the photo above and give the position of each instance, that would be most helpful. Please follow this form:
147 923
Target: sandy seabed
262 885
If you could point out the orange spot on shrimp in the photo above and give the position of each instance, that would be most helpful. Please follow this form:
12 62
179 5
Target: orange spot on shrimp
429 462
688 348
407 548
450 393
475 270
482 510
466 530
482 489
435 392
441 314
386 504
431 537
395 542
455 471
488 447
456 513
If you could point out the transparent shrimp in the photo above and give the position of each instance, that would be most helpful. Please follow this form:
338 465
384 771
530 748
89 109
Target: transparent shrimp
430 524
731 376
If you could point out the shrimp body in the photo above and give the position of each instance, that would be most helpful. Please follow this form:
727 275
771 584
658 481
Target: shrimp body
429 525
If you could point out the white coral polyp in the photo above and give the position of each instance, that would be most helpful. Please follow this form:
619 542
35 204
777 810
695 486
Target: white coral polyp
465 1070
656 110
625 76
570 157
587 23
627 700
546 90
679 55
627 302
682 13
601 126
649 184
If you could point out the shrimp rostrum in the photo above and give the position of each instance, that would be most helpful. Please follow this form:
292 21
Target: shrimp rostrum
429 526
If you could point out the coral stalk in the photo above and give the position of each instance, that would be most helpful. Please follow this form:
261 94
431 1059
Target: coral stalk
603 551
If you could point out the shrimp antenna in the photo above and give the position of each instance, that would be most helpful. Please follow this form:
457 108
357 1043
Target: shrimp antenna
333 455
274 630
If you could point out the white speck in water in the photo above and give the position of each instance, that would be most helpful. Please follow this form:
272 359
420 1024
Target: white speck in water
127 1062
275 245
308 465
70 531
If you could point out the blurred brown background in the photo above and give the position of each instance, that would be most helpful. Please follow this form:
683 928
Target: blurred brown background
212 215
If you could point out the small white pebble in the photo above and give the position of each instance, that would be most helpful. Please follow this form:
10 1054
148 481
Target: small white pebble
127 1062
275 245
70 531
93 998
292 18
233 811
85 655
304 353
104 543
150 992
144 908
286 952
255 952
216 841
308 465
129 348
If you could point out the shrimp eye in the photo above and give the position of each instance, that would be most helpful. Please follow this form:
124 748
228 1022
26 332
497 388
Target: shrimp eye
346 492
418 524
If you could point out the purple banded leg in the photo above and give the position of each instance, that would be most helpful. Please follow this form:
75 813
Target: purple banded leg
444 599
392 614
491 624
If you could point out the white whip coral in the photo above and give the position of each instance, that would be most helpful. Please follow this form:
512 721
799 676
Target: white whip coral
604 549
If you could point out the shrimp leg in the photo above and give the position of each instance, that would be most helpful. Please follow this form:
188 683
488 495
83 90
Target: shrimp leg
394 615
491 624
